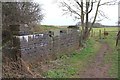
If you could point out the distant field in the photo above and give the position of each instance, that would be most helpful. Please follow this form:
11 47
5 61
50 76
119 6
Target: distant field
106 29
43 28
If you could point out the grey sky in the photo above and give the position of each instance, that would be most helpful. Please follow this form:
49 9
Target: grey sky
53 14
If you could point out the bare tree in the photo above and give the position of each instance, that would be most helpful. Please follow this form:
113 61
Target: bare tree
19 13
81 10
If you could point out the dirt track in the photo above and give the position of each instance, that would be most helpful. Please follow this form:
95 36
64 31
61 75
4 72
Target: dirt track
97 69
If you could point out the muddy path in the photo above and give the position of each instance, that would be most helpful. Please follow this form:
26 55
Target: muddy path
96 68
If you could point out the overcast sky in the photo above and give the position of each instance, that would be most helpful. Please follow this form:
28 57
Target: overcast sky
53 14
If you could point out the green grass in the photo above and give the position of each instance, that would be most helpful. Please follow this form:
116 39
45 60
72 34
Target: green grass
69 65
44 28
106 28
75 62
112 57
95 32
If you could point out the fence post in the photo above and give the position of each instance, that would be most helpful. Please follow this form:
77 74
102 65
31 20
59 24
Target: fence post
104 32
94 33
99 34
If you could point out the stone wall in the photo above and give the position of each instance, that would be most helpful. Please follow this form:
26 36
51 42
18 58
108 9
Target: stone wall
39 47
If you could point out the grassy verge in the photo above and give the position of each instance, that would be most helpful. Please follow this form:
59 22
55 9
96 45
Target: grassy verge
112 57
70 65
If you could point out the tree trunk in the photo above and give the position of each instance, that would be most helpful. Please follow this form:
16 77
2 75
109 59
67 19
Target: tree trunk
86 33
82 23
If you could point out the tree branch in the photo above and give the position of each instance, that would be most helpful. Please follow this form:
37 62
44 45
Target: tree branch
69 9
91 7
95 15
78 3
109 3
102 14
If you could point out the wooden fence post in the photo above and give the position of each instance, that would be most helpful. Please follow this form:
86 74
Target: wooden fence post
104 32
99 34
92 33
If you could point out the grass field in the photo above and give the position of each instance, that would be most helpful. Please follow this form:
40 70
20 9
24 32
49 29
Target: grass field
44 28
106 28
67 66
